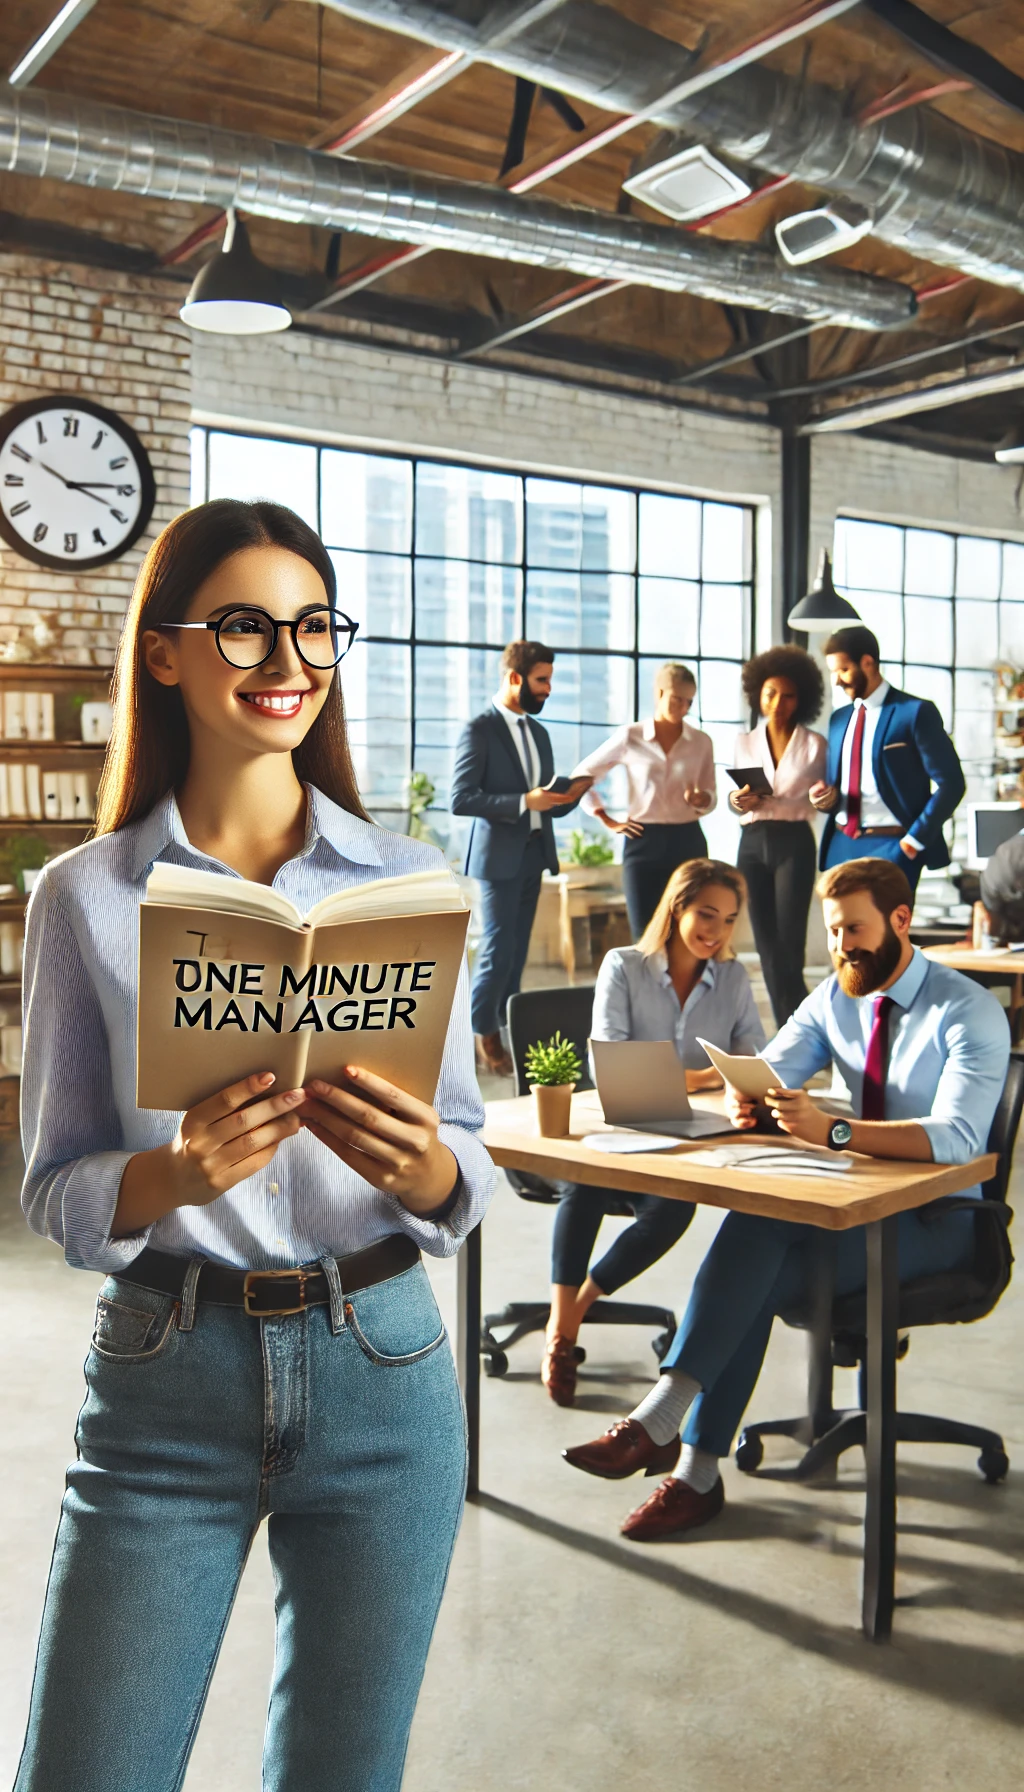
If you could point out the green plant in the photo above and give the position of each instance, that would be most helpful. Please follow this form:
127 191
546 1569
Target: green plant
21 852
587 849
420 792
553 1064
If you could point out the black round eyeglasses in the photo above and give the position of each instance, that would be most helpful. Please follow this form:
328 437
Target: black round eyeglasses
246 638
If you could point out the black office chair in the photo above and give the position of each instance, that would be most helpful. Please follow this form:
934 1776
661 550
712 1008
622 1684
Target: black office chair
953 1298
533 1015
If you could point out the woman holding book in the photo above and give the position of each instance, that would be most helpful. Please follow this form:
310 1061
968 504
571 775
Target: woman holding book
679 981
785 691
266 1342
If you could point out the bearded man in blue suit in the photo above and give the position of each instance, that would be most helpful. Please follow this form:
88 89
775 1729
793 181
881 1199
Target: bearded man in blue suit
893 778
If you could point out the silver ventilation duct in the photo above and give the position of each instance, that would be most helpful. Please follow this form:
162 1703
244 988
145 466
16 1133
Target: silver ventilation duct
56 138
933 188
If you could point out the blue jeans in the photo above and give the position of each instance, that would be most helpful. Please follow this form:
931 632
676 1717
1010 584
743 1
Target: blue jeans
873 846
507 910
348 1437
657 1226
757 1268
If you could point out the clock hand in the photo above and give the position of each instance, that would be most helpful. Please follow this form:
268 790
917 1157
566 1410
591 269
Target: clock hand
55 473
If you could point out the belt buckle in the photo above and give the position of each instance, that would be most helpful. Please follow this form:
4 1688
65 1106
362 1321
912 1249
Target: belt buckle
273 1275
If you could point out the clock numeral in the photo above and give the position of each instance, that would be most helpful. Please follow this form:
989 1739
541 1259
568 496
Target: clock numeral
121 461
98 538
40 431
118 517
100 433
18 509
71 544
13 479
40 532
71 426
21 453
126 491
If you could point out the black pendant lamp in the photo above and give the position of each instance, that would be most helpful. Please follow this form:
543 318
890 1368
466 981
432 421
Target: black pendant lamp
234 294
822 610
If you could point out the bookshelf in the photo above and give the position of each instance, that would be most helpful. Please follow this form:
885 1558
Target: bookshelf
27 837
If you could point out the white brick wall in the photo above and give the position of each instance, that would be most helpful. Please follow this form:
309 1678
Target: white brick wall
118 341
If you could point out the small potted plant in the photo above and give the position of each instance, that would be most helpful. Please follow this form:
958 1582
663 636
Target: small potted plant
553 1070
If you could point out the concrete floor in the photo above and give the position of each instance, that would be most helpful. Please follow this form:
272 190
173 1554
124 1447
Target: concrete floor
566 1658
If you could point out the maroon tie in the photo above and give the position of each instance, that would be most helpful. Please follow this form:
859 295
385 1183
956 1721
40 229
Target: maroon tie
872 1105
851 825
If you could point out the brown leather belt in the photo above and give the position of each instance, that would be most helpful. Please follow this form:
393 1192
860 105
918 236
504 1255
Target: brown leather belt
270 1293
893 833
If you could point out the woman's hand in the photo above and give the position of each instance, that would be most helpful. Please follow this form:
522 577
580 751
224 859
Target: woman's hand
389 1138
220 1141
698 799
632 829
823 796
703 1079
743 800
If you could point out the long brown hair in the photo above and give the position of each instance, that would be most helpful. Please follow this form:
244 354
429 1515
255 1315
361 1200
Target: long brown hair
148 753
682 890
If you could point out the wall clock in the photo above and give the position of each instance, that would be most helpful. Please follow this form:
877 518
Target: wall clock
76 484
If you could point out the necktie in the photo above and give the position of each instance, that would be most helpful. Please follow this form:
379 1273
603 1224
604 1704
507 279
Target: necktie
876 1061
851 825
524 750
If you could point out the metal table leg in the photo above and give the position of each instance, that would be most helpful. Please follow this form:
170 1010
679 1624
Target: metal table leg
880 1504
467 1349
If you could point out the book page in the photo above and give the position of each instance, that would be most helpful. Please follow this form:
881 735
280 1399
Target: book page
418 892
182 887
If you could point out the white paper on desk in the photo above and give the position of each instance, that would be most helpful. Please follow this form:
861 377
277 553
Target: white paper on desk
629 1141
768 1160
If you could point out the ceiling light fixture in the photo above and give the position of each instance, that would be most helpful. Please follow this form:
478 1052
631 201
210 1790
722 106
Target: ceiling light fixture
38 53
822 609
690 184
234 294
807 236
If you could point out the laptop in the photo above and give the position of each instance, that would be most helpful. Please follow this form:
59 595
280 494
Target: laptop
642 1086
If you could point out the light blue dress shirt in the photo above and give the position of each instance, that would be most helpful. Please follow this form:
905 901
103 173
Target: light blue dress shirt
80 1124
634 999
949 1046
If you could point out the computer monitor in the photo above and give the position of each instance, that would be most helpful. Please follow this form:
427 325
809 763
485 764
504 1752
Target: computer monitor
988 825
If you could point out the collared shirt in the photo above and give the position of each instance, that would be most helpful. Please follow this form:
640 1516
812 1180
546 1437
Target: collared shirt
80 1124
873 812
949 1046
801 765
656 779
634 999
529 757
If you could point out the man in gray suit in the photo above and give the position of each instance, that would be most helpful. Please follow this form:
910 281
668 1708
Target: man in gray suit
504 766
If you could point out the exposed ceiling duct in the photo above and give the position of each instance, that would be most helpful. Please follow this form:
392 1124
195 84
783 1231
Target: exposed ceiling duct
940 192
51 136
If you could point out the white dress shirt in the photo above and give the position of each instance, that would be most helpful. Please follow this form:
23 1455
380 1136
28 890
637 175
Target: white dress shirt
656 779
529 757
873 812
801 765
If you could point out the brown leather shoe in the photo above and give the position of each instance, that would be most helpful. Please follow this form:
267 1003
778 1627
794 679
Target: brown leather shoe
672 1509
624 1450
492 1055
558 1369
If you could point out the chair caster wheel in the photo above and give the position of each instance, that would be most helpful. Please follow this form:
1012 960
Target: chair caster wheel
496 1363
749 1452
660 1345
994 1465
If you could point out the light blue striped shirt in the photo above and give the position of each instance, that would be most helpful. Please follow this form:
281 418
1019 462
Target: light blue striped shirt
79 1121
635 999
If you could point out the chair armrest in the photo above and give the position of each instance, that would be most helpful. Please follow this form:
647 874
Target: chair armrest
936 1210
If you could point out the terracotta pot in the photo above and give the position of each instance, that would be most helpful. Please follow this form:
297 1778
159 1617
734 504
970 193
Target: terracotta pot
552 1102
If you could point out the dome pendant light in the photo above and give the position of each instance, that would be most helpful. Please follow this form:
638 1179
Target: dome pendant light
234 294
822 610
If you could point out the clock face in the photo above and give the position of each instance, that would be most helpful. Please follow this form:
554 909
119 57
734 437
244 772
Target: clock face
76 485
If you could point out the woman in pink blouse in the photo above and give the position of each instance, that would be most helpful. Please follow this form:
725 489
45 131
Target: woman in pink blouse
670 771
785 689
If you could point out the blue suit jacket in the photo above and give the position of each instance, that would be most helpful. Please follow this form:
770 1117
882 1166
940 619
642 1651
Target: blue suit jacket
488 783
912 751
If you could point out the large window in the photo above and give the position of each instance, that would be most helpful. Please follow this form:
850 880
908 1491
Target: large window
442 564
946 609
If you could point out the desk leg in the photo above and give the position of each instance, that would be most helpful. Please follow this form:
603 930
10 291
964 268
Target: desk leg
467 1349
880 1504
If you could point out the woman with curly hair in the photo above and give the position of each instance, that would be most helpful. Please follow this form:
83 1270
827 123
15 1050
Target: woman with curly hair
785 690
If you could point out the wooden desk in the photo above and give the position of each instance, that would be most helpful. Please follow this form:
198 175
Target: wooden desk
873 1194
990 963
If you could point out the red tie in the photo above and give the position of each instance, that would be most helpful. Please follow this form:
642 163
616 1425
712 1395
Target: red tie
851 825
872 1105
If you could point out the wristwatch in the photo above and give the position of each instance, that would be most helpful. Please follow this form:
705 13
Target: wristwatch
839 1135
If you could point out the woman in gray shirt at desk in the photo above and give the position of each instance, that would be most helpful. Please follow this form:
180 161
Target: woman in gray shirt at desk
680 979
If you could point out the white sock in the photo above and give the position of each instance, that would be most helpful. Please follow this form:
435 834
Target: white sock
696 1468
662 1411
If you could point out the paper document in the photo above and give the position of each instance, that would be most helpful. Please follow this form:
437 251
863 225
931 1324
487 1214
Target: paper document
769 1160
629 1141
751 1076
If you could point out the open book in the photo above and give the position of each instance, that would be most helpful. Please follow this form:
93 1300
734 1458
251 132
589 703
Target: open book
233 980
